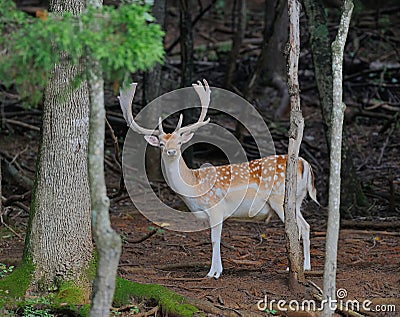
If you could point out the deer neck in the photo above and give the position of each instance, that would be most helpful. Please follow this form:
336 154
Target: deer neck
179 177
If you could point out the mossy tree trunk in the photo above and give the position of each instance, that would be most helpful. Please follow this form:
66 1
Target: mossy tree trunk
351 191
58 240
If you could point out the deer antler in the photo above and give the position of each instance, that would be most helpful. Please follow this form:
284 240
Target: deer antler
204 93
125 100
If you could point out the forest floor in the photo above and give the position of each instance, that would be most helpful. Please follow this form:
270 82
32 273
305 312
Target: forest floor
253 253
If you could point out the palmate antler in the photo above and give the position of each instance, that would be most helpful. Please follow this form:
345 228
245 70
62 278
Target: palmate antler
125 101
126 97
204 93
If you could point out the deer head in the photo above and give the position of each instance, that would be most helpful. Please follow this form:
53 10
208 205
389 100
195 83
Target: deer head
169 143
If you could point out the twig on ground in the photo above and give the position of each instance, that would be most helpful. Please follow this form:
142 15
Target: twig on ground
13 198
385 145
21 124
175 266
9 227
147 236
152 311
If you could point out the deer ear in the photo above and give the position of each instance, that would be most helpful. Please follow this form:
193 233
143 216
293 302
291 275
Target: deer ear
152 140
186 137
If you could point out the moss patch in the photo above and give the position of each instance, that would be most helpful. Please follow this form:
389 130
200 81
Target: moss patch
69 293
16 284
170 302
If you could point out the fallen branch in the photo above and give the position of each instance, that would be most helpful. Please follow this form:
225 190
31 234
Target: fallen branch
370 224
22 124
147 236
175 266
14 175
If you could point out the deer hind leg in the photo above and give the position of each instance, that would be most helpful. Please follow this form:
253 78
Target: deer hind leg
302 225
304 231
216 221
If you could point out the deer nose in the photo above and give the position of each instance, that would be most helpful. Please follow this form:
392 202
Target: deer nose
171 152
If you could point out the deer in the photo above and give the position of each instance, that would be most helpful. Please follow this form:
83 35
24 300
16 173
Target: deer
249 190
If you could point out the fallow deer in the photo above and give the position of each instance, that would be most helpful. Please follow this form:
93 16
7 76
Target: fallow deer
247 190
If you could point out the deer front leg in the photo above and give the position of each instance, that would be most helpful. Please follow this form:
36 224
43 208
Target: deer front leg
216 262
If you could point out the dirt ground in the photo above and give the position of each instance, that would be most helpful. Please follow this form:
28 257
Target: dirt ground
254 260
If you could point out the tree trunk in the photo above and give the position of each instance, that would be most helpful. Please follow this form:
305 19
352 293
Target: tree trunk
271 59
58 239
108 242
332 235
187 65
239 30
351 191
151 90
296 273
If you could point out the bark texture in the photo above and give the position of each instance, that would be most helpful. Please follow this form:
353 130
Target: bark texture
351 191
108 242
58 240
332 235
296 273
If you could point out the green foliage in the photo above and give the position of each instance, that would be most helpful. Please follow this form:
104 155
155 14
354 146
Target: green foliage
170 302
4 269
321 31
123 40
36 307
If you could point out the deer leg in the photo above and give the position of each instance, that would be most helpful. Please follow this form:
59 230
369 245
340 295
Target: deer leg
216 230
304 230
303 226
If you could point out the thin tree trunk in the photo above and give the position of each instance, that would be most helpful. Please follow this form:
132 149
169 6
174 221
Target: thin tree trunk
273 14
187 65
152 88
58 239
296 273
332 236
239 30
351 191
108 242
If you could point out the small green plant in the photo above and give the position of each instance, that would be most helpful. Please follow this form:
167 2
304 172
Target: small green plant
134 310
159 230
4 269
36 307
